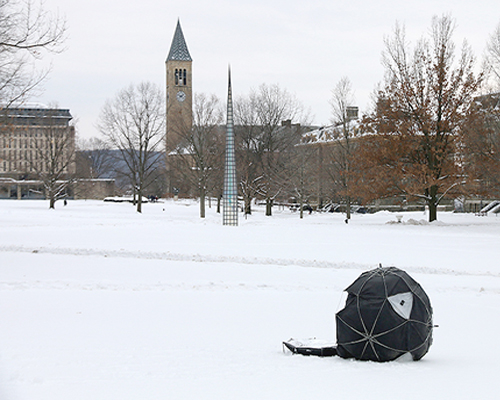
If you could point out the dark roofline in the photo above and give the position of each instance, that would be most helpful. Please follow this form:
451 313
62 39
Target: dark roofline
35 112
35 116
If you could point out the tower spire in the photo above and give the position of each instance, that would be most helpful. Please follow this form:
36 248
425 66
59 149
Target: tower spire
178 49
179 101
230 197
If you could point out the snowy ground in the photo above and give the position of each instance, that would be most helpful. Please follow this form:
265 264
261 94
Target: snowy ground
98 302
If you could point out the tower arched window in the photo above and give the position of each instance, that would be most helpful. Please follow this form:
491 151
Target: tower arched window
177 77
184 78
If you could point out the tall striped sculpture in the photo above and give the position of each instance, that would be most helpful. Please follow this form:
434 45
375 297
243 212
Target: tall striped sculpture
230 197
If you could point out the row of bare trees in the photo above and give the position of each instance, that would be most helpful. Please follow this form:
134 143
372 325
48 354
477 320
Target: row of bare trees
264 146
427 137
265 142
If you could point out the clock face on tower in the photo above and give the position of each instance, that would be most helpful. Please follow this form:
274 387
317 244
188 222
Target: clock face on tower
181 96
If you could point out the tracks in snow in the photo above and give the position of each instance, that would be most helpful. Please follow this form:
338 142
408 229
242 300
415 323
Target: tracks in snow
208 258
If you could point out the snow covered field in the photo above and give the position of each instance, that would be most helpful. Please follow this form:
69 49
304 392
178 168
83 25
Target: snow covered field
98 302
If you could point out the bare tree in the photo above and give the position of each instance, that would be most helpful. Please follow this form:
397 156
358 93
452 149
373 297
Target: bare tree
302 174
54 158
134 123
493 54
482 140
340 153
270 110
93 158
26 31
481 143
248 149
200 150
419 115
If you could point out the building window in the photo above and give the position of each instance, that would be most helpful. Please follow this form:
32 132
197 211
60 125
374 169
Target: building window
180 77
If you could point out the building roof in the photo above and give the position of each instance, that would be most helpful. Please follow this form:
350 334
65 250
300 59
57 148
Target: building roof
331 133
491 100
34 116
178 48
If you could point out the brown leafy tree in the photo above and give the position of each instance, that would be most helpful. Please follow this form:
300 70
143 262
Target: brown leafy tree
420 112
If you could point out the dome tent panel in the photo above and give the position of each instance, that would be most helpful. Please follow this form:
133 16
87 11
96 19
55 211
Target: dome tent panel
380 332
368 312
402 303
419 340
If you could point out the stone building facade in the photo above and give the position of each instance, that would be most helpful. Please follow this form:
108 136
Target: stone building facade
33 142
31 137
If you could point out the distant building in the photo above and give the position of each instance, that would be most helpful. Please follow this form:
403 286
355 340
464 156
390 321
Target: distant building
26 134
97 189
34 141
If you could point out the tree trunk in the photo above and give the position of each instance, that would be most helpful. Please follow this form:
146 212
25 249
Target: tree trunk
202 203
348 207
301 207
269 207
248 205
432 203
139 200
218 204
49 193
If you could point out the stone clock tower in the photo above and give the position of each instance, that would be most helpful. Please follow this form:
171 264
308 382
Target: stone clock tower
179 90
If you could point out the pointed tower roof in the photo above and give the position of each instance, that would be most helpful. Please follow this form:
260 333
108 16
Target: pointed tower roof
178 48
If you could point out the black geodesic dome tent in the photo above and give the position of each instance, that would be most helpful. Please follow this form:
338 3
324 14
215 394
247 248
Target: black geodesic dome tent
387 314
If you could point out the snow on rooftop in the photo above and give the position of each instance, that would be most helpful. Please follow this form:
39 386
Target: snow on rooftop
329 133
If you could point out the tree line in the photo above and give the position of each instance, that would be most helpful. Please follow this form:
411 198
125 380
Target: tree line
429 135
432 131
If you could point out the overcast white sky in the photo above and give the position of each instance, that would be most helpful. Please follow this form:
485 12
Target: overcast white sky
304 46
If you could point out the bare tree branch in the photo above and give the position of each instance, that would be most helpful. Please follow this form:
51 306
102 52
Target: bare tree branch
27 31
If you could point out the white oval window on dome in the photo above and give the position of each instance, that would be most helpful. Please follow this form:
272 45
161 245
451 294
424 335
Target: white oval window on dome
402 303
